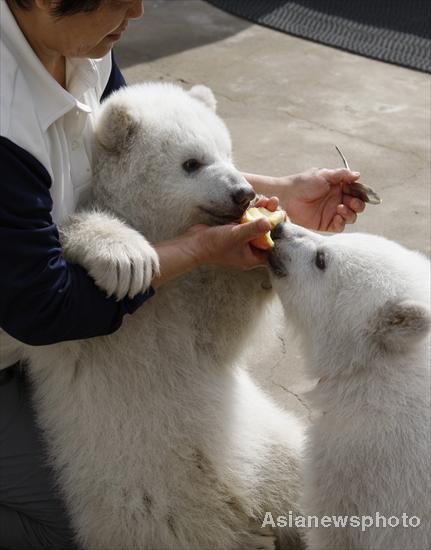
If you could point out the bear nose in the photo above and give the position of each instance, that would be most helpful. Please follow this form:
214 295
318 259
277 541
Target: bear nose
243 196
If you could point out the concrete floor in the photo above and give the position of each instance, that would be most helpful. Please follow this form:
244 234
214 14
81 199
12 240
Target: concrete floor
287 102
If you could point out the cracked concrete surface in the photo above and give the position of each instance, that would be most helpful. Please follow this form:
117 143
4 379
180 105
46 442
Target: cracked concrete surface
287 102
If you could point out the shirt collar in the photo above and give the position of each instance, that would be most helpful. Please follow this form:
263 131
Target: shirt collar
52 101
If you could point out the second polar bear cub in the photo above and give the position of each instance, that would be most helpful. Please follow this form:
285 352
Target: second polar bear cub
362 306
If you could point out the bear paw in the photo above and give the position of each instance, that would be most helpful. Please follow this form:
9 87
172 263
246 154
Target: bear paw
119 259
122 269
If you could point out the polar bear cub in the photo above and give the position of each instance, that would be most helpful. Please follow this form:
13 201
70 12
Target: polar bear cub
159 439
362 306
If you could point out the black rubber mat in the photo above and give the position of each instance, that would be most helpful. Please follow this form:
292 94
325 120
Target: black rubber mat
396 31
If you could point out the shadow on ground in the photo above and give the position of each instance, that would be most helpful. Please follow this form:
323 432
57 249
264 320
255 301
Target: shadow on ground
172 27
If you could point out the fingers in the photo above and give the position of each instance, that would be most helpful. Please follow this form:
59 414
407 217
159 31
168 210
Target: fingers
338 224
273 204
341 175
355 204
346 213
270 203
247 231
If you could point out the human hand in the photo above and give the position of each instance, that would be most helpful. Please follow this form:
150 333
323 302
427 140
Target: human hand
270 203
226 245
319 198
229 245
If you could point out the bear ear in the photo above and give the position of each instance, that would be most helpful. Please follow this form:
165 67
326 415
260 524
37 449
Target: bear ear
117 128
400 324
204 94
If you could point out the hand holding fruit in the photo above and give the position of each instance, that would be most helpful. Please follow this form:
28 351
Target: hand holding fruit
244 245
264 242
229 245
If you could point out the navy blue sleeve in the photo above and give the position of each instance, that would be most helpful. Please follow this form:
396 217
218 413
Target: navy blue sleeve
43 298
116 80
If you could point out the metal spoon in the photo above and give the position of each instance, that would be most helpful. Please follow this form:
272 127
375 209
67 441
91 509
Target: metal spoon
360 190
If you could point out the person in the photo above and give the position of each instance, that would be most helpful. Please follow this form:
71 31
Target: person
56 67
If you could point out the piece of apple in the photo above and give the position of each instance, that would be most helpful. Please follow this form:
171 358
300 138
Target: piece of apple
279 216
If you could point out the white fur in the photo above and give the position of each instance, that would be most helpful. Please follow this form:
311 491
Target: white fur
205 94
365 322
120 260
160 442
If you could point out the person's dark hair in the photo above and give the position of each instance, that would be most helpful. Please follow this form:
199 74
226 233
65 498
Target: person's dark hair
63 7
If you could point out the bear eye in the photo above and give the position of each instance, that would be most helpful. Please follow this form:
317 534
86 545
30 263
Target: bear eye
320 260
191 165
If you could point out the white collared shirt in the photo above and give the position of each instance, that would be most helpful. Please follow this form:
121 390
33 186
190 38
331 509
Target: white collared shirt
51 123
